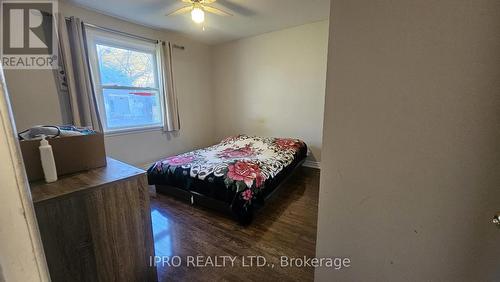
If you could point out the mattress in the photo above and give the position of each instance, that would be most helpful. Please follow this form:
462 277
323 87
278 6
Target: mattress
240 171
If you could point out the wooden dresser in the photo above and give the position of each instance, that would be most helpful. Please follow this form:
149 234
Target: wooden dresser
96 225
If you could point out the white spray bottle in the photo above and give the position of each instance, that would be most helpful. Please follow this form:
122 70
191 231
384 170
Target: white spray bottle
48 163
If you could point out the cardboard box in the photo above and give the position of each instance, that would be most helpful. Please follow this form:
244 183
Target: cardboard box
72 154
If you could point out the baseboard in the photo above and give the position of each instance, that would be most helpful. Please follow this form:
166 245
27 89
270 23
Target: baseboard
312 164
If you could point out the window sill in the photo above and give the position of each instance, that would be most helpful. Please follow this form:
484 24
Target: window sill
132 131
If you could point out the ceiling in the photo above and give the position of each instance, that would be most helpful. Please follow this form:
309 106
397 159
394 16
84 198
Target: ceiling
251 17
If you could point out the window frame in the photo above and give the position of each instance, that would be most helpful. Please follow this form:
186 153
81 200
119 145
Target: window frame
96 37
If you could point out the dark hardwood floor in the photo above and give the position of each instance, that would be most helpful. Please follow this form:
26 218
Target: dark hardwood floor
285 226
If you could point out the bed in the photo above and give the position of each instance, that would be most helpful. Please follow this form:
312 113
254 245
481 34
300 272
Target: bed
236 175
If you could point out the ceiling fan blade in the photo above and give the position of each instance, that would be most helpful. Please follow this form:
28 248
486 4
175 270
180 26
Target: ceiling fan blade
179 11
205 1
216 11
188 1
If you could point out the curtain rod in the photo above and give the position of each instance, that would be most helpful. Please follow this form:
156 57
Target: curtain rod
127 34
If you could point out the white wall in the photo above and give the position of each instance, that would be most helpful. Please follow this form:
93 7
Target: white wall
411 151
34 96
273 85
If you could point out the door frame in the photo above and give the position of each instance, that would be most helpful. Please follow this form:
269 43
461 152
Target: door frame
22 257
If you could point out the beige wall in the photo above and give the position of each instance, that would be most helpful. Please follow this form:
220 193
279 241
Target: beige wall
35 101
270 85
411 150
273 84
34 97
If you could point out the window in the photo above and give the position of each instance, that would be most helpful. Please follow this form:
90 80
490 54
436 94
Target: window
125 73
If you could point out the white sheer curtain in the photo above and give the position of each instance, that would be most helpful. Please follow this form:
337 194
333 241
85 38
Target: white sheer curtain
74 55
172 120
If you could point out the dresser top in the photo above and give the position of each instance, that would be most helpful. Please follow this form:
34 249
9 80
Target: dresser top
79 182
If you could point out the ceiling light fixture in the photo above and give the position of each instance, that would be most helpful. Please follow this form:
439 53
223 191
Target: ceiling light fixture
198 8
198 15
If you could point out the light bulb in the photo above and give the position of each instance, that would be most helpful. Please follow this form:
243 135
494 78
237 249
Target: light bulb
197 15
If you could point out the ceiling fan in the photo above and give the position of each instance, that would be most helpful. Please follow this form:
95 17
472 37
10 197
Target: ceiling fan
198 9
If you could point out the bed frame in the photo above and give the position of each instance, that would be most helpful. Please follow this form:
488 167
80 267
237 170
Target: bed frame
199 199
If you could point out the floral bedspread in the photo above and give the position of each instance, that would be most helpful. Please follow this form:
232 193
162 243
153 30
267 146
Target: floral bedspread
243 166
